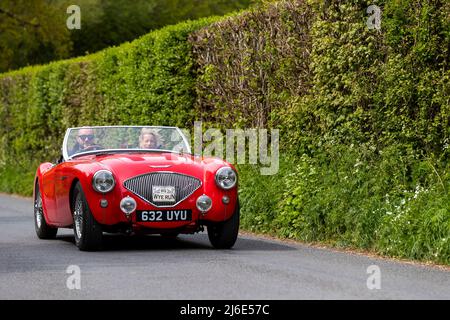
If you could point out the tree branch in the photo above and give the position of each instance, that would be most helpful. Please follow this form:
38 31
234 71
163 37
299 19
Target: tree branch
18 19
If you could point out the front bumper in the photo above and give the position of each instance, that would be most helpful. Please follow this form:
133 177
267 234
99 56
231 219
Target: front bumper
112 214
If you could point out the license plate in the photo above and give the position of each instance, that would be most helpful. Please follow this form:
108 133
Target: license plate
163 194
163 215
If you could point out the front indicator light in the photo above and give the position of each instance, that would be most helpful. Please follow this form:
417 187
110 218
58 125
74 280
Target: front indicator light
103 203
225 200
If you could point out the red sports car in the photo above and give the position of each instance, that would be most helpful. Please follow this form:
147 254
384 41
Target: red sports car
134 180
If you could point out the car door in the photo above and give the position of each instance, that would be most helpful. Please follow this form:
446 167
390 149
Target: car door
62 193
48 196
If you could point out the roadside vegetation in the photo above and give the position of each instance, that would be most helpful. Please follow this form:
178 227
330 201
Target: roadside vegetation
363 114
35 32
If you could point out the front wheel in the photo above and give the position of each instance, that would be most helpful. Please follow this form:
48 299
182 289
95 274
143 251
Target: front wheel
87 231
43 230
223 235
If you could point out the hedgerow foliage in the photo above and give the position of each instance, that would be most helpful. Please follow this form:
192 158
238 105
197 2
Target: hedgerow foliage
373 132
252 63
364 114
148 81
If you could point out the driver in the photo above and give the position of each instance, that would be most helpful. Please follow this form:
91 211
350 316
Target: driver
84 141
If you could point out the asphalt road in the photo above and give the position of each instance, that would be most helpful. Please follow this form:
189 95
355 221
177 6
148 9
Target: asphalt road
188 268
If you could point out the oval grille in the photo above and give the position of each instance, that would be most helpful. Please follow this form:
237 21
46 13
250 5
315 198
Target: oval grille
142 186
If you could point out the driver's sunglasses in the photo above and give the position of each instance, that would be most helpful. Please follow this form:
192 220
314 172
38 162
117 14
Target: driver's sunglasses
86 136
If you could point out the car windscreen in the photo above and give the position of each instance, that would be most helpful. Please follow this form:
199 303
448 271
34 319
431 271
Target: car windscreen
102 139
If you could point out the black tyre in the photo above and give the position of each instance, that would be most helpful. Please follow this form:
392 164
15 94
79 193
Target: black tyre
223 235
87 231
43 230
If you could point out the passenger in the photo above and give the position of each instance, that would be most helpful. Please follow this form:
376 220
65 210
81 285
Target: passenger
149 139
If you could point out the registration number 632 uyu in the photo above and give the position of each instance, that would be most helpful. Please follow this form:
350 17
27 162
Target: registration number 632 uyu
163 215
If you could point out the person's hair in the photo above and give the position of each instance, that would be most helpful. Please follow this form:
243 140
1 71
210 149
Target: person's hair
152 132
84 128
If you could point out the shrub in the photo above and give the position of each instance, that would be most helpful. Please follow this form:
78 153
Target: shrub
148 81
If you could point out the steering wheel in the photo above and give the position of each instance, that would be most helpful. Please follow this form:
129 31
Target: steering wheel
93 147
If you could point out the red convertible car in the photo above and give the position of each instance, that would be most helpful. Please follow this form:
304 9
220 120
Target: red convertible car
135 180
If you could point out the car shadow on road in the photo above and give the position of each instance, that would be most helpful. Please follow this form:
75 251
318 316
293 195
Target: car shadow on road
118 242
246 244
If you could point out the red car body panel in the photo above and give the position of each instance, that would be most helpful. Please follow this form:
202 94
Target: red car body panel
58 181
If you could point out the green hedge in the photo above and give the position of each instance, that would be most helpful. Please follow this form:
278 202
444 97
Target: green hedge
364 115
148 81
251 64
364 118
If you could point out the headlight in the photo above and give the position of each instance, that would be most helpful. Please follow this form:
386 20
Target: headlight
128 205
204 203
103 181
226 178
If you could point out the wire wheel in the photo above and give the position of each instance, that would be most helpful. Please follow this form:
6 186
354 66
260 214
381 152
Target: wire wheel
38 215
87 231
78 216
43 230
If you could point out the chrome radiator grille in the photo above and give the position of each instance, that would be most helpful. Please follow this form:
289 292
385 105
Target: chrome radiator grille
142 186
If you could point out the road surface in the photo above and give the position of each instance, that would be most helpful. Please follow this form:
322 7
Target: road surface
188 268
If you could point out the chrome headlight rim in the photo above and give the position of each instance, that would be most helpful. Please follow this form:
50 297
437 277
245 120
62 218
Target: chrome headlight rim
221 172
203 198
94 181
130 200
